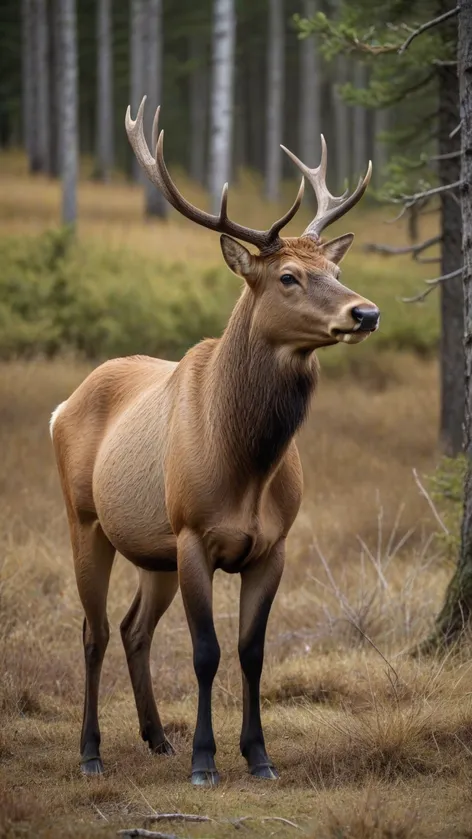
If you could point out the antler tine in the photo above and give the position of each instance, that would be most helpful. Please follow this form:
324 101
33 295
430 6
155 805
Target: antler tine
330 207
155 130
157 172
281 222
135 132
265 240
224 203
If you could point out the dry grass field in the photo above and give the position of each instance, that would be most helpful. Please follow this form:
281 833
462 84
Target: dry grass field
370 743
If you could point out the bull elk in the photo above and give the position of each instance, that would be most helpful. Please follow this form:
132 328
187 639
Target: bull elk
188 467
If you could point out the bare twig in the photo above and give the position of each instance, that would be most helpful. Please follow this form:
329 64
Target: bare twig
455 130
430 501
432 285
415 250
178 817
425 26
190 817
449 156
147 834
409 200
243 819
390 666
438 63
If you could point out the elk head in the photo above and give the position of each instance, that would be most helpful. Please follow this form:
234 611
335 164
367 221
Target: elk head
299 302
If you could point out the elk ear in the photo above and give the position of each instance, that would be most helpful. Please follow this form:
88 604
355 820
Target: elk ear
336 249
236 256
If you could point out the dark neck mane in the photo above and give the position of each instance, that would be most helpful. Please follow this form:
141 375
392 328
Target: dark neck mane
259 398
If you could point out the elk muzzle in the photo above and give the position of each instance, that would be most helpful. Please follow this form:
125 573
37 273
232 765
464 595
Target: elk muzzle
356 323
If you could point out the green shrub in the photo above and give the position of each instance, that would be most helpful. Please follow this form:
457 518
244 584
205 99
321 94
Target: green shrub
58 294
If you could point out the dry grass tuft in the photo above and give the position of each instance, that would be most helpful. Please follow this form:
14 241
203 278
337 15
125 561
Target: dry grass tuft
18 809
370 819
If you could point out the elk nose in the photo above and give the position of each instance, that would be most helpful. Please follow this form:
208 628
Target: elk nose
366 316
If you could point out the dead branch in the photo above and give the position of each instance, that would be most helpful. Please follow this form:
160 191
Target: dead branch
438 63
147 834
432 285
415 250
280 819
425 26
191 817
455 130
409 200
178 817
449 156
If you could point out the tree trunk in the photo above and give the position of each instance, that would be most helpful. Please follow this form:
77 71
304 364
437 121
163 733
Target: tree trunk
456 613
39 87
275 97
342 132
310 95
68 113
198 105
104 91
224 25
156 204
27 75
55 77
452 297
137 47
359 151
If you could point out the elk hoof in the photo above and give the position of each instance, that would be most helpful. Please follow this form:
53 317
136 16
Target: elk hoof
165 748
205 778
94 766
265 770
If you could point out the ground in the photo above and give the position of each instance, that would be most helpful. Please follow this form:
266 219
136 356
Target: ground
370 742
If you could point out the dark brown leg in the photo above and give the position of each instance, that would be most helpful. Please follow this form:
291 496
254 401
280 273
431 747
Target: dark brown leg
259 584
196 585
93 560
155 594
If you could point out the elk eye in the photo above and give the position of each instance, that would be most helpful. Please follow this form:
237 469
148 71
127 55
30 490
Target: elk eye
288 279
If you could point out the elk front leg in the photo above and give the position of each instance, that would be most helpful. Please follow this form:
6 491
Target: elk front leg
196 579
259 584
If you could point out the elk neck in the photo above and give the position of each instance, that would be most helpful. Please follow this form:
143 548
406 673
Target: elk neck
259 396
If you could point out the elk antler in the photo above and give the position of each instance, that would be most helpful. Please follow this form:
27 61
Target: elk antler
266 240
330 207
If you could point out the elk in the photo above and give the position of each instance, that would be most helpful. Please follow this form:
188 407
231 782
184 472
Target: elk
185 468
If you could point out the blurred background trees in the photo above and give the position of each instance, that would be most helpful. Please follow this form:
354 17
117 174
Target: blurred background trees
233 77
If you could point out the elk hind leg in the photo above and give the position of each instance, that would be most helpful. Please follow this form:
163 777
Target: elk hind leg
93 560
155 593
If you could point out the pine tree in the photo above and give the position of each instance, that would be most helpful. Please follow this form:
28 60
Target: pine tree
421 84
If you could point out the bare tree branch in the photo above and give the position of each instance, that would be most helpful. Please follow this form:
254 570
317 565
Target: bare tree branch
432 285
438 63
425 26
455 130
449 156
409 200
415 250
